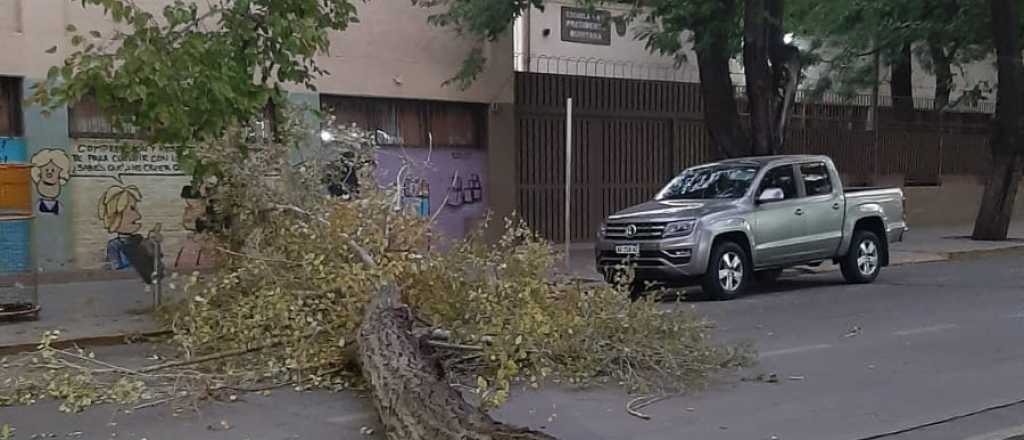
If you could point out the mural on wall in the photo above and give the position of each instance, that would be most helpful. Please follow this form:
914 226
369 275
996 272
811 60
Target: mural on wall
51 170
416 195
118 210
114 183
97 159
459 172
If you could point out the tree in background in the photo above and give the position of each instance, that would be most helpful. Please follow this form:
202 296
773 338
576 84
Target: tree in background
1007 138
847 36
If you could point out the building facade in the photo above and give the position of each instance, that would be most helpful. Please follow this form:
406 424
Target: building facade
68 198
565 38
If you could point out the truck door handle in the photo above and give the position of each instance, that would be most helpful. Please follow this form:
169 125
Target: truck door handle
835 205
799 211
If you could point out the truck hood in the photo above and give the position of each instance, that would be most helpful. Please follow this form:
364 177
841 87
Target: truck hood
670 210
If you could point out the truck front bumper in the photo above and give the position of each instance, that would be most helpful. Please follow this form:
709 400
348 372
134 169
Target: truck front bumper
673 260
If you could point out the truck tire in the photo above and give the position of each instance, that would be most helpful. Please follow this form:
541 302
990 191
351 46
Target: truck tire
863 261
729 271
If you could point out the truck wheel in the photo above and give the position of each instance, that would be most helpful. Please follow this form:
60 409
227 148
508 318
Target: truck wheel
728 273
767 277
864 259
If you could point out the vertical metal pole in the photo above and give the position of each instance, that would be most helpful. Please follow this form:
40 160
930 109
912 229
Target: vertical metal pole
157 282
568 183
875 120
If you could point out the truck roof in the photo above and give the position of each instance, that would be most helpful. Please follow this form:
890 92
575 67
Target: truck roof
761 161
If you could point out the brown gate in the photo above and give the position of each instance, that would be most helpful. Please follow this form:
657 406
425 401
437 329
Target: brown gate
629 138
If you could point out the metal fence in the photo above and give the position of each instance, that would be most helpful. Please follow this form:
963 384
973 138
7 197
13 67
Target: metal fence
631 136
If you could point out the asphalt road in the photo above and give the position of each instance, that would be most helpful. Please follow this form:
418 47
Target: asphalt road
925 343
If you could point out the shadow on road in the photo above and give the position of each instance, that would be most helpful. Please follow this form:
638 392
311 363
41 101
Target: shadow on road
696 294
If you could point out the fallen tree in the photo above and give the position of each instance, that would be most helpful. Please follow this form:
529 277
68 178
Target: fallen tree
412 398
331 292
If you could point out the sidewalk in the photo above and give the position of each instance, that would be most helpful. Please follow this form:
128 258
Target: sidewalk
919 245
98 312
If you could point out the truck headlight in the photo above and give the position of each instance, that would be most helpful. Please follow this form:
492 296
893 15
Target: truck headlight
602 230
679 229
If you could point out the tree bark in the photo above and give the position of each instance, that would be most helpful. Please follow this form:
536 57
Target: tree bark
412 397
993 222
718 94
760 80
943 77
902 85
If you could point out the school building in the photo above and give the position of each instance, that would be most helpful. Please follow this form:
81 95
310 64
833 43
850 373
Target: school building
66 198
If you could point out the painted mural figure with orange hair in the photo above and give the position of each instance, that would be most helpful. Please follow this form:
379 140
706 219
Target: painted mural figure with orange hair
118 210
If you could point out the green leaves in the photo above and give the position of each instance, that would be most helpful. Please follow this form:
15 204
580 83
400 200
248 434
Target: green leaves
189 78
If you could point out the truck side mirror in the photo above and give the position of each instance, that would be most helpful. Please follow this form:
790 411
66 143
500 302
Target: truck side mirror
771 195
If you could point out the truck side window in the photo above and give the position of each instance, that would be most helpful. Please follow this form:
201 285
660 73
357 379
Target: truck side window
782 178
816 179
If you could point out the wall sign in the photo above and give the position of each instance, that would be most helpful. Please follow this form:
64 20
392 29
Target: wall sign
580 25
108 160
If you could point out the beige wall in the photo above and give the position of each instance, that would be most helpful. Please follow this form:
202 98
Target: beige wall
393 52
29 27
626 57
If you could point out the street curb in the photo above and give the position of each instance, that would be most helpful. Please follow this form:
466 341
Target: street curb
1009 250
927 257
86 341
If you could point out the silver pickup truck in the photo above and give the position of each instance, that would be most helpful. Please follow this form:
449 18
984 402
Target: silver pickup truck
727 224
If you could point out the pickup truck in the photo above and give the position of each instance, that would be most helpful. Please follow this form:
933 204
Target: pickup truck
728 224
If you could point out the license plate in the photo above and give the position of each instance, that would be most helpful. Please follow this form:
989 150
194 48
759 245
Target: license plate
628 249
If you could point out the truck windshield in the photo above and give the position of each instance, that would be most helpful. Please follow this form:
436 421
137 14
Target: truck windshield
710 182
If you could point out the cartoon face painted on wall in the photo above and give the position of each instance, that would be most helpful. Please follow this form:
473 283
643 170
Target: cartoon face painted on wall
51 170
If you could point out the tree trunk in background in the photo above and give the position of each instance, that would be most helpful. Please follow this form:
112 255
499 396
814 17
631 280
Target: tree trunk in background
943 76
772 70
993 222
760 81
902 85
721 114
409 389
786 67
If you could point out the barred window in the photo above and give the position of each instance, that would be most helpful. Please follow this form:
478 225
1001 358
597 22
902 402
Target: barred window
411 123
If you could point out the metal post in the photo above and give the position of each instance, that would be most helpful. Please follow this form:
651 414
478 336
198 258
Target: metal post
157 282
875 120
568 184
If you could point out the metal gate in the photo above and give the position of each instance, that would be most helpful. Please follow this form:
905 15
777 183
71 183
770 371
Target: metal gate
629 138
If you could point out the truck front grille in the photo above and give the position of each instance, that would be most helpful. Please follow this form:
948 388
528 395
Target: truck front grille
645 259
640 231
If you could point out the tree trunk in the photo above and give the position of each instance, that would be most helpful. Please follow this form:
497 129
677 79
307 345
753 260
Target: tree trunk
994 217
943 76
721 114
786 67
412 397
760 81
902 85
